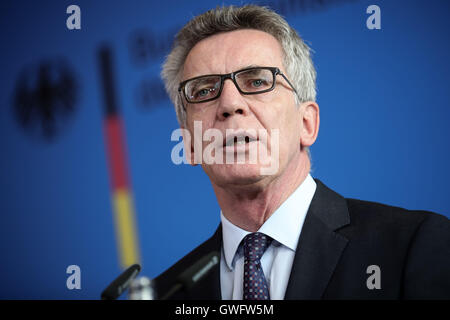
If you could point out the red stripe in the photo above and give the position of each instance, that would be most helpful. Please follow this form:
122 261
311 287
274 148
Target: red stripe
116 152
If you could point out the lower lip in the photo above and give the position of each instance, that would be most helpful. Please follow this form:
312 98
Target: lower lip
240 147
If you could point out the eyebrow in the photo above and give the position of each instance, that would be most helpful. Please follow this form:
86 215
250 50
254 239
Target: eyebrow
250 66
211 74
238 69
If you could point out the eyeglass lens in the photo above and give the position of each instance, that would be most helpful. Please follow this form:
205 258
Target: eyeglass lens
248 81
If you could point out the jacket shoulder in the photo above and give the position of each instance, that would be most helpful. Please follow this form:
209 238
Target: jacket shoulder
416 241
382 215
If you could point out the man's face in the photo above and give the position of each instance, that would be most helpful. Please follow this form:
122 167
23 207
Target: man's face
274 110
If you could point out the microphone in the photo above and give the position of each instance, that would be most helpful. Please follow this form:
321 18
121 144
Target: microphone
121 283
194 273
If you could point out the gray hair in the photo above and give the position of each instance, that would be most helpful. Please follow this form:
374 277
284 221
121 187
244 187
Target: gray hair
297 55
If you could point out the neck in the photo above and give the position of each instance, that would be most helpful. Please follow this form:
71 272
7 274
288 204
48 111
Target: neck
250 206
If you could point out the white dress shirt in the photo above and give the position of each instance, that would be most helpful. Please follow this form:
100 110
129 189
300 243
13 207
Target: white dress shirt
284 227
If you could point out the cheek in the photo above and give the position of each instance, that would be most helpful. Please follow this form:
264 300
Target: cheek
290 132
205 117
286 121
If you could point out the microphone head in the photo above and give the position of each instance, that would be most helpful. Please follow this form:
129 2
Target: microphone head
193 274
199 269
121 283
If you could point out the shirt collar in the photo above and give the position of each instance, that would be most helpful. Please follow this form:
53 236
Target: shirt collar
284 225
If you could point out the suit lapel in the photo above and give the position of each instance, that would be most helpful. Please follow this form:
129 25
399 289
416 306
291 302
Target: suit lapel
319 247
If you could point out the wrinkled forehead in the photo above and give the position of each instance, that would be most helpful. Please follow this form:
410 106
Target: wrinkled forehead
231 51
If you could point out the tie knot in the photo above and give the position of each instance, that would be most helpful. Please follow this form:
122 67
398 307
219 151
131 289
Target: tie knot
255 244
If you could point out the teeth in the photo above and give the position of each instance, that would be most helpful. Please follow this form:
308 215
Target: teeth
241 142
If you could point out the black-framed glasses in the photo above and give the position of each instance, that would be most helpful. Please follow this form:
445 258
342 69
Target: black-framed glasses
253 80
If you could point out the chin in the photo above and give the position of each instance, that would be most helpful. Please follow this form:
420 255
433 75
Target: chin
234 174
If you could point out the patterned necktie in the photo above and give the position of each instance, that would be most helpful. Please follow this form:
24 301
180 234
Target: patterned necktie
255 285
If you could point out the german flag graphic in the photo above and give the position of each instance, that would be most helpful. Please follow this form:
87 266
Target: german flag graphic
122 200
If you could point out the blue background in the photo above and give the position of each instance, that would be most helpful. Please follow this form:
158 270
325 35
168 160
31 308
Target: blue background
383 137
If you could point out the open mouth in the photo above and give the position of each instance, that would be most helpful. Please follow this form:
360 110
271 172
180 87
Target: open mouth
239 140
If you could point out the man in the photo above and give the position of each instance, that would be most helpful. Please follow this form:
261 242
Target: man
284 235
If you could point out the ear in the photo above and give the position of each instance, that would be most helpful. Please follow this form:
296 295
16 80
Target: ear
311 121
188 146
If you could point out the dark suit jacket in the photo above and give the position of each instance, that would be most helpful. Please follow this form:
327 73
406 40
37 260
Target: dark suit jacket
339 240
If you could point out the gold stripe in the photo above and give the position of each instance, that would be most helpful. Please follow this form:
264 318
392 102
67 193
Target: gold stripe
126 235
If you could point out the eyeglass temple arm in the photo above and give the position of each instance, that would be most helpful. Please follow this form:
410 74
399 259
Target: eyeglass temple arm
285 78
181 100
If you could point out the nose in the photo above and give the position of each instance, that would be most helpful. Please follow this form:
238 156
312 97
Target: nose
231 101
